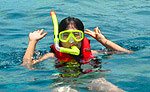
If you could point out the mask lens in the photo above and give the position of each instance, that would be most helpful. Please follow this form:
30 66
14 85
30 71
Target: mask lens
65 35
77 35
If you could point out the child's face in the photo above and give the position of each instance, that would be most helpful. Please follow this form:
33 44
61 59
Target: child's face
68 44
71 41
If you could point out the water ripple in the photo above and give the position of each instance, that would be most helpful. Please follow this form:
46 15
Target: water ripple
142 13
10 29
10 56
15 15
13 36
43 8
3 23
135 44
42 15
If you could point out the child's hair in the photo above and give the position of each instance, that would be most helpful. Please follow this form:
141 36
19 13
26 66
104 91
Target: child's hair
75 22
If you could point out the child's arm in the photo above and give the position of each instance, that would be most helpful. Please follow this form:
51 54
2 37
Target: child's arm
34 37
44 57
105 42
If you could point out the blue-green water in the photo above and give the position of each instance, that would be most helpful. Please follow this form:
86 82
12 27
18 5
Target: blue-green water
126 22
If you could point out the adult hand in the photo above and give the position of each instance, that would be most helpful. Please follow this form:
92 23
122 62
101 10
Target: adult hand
95 34
37 35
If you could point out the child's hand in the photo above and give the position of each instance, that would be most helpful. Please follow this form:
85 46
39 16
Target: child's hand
37 35
96 34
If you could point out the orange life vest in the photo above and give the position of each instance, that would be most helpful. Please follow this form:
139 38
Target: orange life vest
84 57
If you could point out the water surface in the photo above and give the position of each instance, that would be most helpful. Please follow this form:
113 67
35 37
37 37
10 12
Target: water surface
126 22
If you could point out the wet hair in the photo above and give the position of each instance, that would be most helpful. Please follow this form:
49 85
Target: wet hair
71 21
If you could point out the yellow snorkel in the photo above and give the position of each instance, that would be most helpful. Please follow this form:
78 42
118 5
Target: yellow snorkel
73 50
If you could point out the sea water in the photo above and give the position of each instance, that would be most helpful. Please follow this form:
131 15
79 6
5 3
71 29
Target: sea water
125 22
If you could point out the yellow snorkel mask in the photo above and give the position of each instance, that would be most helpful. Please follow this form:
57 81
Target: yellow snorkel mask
69 35
73 50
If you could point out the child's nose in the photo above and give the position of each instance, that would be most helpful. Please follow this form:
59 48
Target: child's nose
71 40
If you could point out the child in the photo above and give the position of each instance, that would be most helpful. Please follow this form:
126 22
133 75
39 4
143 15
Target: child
71 33
69 23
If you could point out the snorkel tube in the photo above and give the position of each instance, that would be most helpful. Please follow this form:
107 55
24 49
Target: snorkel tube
73 50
